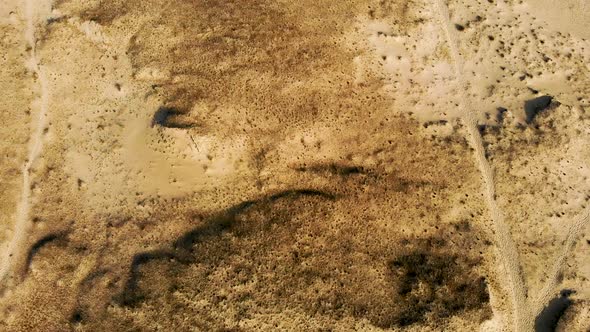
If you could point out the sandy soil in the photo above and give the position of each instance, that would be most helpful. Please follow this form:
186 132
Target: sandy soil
233 165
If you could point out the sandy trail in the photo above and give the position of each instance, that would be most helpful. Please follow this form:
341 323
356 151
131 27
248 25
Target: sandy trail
548 290
507 251
33 11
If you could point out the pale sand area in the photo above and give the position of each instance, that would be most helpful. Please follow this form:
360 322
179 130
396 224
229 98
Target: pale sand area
297 166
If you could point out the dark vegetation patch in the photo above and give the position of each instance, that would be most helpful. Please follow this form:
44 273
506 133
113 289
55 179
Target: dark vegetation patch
171 118
435 123
131 296
370 175
435 286
37 246
333 168
230 41
501 114
107 11
183 249
548 319
255 244
77 317
534 106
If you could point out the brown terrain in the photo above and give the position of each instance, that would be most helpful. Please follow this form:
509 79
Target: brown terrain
273 165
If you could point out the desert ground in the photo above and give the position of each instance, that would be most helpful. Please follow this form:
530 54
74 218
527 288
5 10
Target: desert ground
274 165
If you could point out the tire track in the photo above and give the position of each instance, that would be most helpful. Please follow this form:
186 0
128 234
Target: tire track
12 254
507 251
573 234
